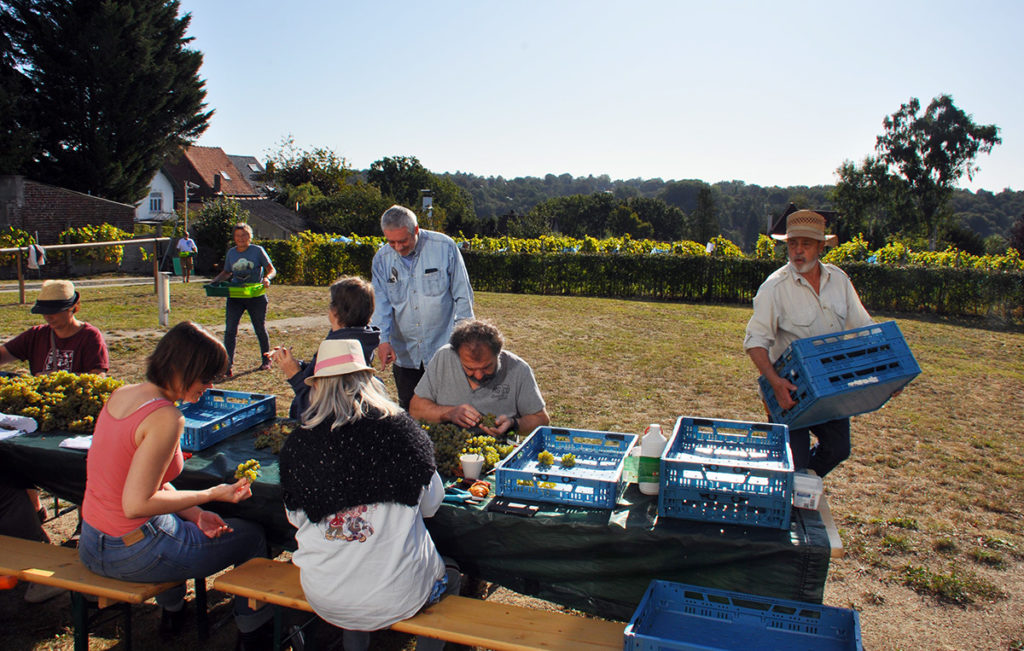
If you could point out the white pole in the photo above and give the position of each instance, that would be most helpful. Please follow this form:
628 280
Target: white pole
163 297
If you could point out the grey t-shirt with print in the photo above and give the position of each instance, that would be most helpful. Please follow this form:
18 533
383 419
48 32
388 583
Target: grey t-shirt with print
512 392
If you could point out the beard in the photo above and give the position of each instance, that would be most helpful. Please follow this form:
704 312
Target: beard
806 266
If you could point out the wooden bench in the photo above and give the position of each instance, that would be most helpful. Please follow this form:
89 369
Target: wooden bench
462 620
38 562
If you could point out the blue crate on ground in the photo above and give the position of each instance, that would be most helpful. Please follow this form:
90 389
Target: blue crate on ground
595 481
730 471
219 414
685 617
842 374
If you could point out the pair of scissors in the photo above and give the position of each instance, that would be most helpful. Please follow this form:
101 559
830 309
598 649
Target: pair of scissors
454 495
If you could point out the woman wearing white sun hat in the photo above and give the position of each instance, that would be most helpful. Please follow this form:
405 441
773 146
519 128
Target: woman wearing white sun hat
358 479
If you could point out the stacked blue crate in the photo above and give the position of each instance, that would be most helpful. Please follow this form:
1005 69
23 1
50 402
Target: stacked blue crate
842 374
730 471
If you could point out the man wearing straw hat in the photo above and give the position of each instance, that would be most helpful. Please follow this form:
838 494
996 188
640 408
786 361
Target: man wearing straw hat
805 298
64 343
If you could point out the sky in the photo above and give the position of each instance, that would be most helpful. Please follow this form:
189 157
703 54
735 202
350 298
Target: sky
769 93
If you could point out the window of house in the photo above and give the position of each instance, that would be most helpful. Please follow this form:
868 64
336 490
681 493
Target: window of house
254 167
156 202
224 175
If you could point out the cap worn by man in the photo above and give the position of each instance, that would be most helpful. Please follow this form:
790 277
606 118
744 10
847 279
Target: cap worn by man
806 223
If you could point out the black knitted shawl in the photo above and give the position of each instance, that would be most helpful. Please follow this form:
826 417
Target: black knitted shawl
372 460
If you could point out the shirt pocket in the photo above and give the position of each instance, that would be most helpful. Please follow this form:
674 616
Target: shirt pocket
798 320
397 290
839 308
435 281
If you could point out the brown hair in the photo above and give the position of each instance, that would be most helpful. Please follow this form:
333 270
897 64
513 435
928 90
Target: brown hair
476 333
352 301
187 353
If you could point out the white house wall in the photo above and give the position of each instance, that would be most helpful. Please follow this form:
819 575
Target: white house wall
162 185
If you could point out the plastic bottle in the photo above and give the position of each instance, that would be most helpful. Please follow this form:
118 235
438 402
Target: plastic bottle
651 446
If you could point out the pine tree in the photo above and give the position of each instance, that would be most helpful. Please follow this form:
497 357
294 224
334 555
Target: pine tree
115 89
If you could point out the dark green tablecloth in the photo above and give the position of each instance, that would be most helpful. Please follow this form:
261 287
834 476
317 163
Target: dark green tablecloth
598 561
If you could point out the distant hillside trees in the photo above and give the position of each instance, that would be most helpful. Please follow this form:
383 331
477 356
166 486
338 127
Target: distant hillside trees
99 92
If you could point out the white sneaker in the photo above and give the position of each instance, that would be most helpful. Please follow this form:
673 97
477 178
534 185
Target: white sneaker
37 593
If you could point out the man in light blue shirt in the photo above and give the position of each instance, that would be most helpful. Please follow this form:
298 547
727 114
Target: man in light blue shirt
422 290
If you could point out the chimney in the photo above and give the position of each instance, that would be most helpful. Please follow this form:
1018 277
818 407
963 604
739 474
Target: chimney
216 183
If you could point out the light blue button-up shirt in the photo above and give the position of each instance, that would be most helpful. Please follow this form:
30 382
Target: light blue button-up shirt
417 305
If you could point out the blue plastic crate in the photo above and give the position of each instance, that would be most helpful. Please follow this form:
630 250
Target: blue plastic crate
596 480
842 374
219 414
685 617
727 471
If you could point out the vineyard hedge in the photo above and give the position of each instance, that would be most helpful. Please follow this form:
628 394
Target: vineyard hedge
698 278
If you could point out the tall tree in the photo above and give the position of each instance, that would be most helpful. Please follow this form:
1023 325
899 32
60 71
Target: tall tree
402 178
291 167
114 89
16 132
925 155
705 217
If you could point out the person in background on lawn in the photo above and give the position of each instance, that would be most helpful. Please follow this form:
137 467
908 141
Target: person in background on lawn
187 250
358 479
246 263
422 290
472 376
135 525
804 298
349 315
63 343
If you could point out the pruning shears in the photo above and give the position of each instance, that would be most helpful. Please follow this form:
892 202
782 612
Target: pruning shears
454 495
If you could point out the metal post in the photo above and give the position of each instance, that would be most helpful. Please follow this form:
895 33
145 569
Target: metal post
163 299
156 266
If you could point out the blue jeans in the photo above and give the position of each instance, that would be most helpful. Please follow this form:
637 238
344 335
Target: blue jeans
173 549
257 309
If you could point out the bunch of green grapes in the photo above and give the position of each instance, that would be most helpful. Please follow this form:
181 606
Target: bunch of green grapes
545 458
488 420
249 469
488 448
449 440
568 460
60 401
274 436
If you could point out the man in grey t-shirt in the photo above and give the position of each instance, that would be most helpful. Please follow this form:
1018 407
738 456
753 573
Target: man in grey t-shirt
472 376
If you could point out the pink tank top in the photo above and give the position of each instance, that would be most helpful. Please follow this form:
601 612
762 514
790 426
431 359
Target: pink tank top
110 457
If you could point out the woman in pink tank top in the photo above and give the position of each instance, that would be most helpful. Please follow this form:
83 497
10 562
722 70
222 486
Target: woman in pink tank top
135 525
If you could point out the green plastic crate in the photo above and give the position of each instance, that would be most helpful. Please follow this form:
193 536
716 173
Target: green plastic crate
235 290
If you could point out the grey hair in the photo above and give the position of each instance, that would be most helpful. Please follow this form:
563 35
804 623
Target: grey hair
398 217
347 398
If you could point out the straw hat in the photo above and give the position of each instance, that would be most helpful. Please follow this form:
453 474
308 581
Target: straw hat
55 296
338 357
806 223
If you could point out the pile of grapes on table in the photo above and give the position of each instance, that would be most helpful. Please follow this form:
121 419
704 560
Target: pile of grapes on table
59 401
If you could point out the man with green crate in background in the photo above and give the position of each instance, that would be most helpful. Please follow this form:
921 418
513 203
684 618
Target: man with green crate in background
804 298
